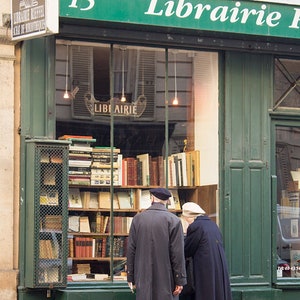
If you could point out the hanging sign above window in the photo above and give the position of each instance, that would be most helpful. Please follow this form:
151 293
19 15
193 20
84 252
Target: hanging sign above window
33 18
115 106
243 17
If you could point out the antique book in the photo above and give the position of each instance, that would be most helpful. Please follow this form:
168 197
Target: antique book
144 199
84 224
50 176
104 200
75 198
145 161
176 198
53 222
93 203
74 223
85 198
124 199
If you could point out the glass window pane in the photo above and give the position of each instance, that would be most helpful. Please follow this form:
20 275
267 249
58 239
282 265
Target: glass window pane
139 84
287 83
288 174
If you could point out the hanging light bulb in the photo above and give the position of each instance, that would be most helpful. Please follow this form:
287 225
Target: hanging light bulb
123 98
66 93
175 100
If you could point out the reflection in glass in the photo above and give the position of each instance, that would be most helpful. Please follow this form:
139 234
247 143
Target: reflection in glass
148 131
288 174
286 83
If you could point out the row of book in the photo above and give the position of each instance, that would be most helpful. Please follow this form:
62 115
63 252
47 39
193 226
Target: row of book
88 247
48 249
130 199
102 165
121 224
182 169
51 223
101 199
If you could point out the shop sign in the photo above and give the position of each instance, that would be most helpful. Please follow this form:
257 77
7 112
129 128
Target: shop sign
33 18
243 17
115 106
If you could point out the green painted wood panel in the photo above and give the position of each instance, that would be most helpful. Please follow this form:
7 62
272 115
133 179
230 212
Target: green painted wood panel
38 88
247 201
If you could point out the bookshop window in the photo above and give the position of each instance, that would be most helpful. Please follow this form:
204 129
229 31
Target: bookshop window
286 84
128 134
288 174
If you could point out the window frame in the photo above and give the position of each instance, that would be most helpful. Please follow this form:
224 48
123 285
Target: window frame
279 120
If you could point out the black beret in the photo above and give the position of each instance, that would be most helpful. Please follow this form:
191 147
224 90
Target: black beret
161 193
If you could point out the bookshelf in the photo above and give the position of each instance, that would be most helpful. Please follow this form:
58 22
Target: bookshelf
101 178
46 213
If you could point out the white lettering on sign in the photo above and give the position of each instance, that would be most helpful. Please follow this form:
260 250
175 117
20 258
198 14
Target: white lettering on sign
222 13
119 109
86 5
247 17
37 12
296 20
21 16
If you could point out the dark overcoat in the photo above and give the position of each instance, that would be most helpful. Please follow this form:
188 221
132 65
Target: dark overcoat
204 243
155 254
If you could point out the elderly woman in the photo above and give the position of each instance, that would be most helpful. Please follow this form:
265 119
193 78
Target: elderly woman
204 244
190 211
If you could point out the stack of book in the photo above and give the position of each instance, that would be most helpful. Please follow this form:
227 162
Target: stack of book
79 158
101 171
83 268
52 223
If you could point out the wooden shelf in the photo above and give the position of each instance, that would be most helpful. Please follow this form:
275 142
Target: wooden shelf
107 259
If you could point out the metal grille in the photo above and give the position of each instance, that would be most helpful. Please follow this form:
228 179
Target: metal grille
82 70
50 211
146 81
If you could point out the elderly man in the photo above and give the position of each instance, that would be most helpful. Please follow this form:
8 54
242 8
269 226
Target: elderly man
155 252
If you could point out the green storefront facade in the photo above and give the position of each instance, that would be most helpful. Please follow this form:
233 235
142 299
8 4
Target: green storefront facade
249 37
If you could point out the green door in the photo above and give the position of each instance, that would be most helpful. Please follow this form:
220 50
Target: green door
246 203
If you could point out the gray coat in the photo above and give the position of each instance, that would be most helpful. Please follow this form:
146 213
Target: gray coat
155 254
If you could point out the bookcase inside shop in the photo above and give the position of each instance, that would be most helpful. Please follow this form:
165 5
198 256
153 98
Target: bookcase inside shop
96 233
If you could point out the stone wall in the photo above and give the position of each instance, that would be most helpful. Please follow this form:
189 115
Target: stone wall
8 161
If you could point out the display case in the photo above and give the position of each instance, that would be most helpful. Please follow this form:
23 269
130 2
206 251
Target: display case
46 206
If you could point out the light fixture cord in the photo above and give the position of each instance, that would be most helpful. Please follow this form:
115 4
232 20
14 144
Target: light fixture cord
175 74
67 68
143 78
123 71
